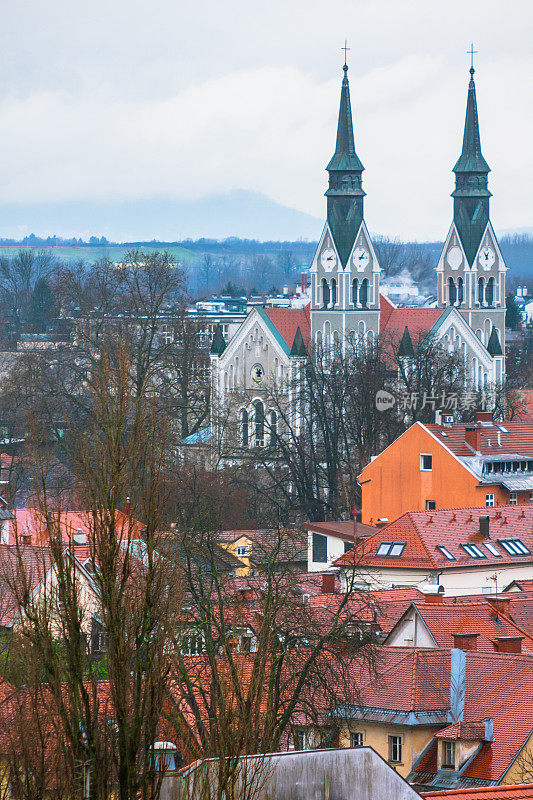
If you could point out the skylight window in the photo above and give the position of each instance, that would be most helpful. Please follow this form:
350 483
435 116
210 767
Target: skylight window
514 547
443 433
473 551
391 549
503 429
492 549
445 552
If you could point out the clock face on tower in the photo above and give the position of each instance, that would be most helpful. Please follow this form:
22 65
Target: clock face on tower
454 257
487 257
328 259
361 258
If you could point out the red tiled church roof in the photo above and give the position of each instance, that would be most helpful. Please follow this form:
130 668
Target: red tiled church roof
419 321
288 320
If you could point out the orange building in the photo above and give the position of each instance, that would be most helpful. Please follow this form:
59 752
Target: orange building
435 466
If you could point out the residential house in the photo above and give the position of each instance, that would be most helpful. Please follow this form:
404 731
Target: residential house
519 791
470 626
449 465
257 549
462 550
327 541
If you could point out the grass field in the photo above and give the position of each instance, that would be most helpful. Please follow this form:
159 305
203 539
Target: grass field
113 251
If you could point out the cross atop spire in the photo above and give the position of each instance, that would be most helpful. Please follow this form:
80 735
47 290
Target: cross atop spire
472 53
345 48
471 158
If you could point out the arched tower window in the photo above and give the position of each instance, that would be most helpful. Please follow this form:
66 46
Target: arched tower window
273 422
325 293
452 291
363 293
244 428
460 291
481 291
355 292
490 292
333 292
259 421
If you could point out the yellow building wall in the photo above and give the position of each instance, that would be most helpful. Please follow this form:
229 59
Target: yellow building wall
520 771
232 547
376 735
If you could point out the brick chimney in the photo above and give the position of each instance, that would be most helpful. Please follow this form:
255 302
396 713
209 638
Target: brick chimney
502 605
484 526
328 584
508 644
473 436
484 416
435 599
465 641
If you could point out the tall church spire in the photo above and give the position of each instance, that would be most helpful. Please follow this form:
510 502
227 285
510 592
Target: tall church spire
471 195
345 193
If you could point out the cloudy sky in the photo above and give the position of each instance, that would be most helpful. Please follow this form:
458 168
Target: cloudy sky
126 99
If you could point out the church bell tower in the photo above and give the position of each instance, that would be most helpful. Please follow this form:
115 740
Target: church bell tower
345 270
471 270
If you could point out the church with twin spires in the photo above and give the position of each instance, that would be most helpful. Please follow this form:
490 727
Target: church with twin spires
345 273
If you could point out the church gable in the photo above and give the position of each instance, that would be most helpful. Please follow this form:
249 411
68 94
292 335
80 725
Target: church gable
453 257
326 259
363 257
489 257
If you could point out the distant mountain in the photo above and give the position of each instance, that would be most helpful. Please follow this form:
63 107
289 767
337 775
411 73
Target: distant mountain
240 213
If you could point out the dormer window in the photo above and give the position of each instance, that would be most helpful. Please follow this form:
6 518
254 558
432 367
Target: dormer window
448 755
390 549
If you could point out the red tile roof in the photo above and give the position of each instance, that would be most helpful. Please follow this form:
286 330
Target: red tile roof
518 439
467 731
287 321
419 321
423 531
344 530
31 521
522 791
443 620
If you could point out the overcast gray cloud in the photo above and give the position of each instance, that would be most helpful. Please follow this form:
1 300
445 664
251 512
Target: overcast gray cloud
146 99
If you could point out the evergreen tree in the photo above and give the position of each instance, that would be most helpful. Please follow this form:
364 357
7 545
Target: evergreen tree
513 318
42 305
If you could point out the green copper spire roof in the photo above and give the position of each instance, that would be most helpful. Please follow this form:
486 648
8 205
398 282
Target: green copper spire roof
471 158
406 349
494 347
298 345
471 195
218 345
345 157
345 193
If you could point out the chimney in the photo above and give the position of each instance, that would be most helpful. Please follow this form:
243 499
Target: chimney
126 508
26 539
328 584
508 644
484 416
434 599
465 641
473 437
484 523
80 537
502 605
438 416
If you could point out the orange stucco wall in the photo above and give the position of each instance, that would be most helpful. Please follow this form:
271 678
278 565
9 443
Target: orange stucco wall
393 483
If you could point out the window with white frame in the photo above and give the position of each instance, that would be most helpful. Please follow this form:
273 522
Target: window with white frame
302 740
192 644
426 462
515 547
489 500
473 550
356 738
513 497
395 749
243 550
390 549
